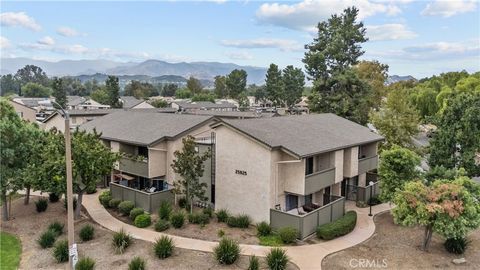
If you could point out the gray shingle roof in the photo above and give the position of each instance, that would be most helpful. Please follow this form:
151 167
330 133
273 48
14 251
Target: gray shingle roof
306 135
143 127
205 104
75 100
130 101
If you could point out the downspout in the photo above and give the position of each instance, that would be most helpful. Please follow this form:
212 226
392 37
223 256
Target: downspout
277 173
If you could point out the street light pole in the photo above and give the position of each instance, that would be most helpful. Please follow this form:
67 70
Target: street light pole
370 200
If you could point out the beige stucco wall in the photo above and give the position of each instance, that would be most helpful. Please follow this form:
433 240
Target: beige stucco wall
57 122
350 162
291 175
338 161
157 155
24 112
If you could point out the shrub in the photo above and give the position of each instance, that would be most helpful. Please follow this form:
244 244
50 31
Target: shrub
288 234
113 203
227 251
60 251
136 212
162 225
125 207
87 232
277 259
85 264
253 263
240 221
177 219
220 233
91 190
105 198
222 215
339 227
142 221
208 211
41 205
263 229
47 239
165 210
375 200
361 204
56 227
74 203
456 245
163 247
121 240
53 197
137 263
182 202
198 218
272 240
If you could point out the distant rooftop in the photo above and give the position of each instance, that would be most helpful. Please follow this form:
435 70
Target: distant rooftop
75 100
130 101
204 104
232 114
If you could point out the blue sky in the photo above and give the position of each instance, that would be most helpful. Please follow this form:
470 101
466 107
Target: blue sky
420 38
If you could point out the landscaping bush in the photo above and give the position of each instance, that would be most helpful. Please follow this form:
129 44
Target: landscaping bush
136 212
105 198
113 203
165 210
125 207
208 211
47 239
121 240
56 227
74 203
142 221
177 219
227 251
162 225
85 264
339 227
253 263
456 245
222 215
60 251
182 202
41 205
137 263
163 247
288 234
375 200
91 189
263 229
87 232
53 197
272 240
198 218
277 259
220 233
240 221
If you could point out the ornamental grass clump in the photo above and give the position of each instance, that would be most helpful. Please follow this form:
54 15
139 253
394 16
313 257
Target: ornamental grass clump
121 240
47 239
163 247
137 263
87 232
41 205
227 251
165 210
277 259
60 251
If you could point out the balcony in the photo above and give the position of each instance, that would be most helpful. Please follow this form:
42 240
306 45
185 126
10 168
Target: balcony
367 164
319 180
134 166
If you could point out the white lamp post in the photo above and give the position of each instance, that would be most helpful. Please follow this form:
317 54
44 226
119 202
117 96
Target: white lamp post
370 200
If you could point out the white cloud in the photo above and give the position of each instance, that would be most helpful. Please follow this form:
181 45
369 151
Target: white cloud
239 55
389 32
19 19
67 32
450 8
282 44
4 43
306 14
46 41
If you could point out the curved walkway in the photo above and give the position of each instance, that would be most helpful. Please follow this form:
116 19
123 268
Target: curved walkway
305 257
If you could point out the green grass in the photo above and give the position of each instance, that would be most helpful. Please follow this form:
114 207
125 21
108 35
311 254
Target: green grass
272 240
10 249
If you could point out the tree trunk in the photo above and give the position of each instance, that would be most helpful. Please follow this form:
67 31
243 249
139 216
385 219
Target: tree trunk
79 204
427 237
27 195
5 207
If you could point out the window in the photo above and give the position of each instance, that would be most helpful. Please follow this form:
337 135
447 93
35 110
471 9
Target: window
309 166
308 199
143 151
291 202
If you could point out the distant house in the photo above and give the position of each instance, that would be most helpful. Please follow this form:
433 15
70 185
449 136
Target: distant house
82 103
130 102
233 114
42 106
203 106
25 112
77 117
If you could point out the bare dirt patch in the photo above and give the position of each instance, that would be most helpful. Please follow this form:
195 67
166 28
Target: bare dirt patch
400 247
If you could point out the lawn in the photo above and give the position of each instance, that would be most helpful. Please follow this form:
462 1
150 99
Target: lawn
10 249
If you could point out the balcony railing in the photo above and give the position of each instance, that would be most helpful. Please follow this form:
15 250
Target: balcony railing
150 202
367 164
319 180
134 166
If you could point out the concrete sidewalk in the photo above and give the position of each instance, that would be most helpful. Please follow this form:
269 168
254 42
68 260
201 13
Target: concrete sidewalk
305 257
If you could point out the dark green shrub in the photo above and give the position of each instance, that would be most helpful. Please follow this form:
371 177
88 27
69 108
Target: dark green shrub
137 263
227 251
263 229
53 197
177 219
165 210
182 202
163 247
60 251
375 200
339 227
125 207
91 189
220 233
208 211
288 234
240 221
142 221
41 205
74 203
113 203
105 198
162 225
87 232
456 245
277 259
56 227
222 215
253 263
85 264
198 218
121 240
136 212
47 239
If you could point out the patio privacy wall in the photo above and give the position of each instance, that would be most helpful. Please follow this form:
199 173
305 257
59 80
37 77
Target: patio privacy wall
150 202
307 224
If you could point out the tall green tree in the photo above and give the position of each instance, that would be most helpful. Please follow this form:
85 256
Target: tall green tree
9 85
220 89
31 74
112 89
100 95
169 90
274 85
375 74
59 92
293 84
236 82
36 90
188 163
194 85
140 90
